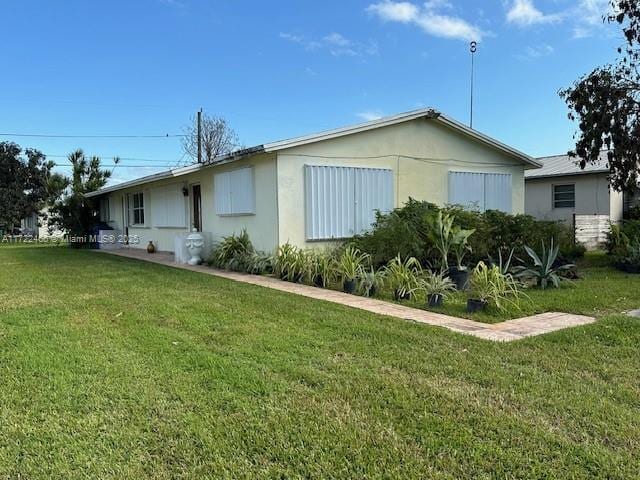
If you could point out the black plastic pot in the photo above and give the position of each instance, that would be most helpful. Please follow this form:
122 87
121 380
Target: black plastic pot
372 292
434 300
397 297
349 286
475 305
460 277
318 281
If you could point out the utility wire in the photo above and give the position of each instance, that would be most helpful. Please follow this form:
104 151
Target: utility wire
157 160
38 135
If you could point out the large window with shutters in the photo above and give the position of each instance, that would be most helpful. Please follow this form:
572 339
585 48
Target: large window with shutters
481 191
341 202
564 196
169 207
234 192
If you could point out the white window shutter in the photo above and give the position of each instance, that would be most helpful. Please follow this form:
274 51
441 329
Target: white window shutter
234 192
498 192
341 201
373 191
483 191
222 187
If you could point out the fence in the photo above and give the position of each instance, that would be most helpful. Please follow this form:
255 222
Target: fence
591 230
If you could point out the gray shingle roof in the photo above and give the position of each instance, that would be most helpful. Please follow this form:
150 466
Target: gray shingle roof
560 165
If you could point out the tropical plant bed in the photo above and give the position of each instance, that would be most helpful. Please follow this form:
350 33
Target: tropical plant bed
601 290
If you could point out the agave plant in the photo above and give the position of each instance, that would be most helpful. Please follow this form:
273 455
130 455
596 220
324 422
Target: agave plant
440 232
543 270
504 264
403 276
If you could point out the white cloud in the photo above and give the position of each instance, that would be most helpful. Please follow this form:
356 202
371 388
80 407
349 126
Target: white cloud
370 115
532 53
525 13
428 17
335 43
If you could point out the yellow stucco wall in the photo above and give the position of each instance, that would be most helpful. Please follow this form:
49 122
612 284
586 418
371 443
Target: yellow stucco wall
439 149
262 227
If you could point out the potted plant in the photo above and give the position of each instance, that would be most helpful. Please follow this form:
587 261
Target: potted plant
490 287
350 265
439 232
445 238
403 277
371 281
437 287
460 246
320 269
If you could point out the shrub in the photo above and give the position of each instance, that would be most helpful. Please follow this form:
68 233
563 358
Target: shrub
406 231
623 244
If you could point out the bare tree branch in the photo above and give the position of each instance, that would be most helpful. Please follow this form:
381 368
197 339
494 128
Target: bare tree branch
218 138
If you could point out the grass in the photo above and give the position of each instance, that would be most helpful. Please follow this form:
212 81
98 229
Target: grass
601 290
112 368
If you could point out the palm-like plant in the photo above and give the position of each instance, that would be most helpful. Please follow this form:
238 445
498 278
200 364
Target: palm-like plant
543 270
440 232
403 276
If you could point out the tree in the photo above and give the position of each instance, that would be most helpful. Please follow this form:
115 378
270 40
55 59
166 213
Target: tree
24 183
218 138
72 212
606 104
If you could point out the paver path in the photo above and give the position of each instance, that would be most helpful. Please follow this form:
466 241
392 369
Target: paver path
500 332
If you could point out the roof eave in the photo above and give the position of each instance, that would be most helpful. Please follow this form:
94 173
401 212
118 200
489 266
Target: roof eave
489 141
566 174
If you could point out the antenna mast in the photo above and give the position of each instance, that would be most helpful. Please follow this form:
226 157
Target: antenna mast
473 47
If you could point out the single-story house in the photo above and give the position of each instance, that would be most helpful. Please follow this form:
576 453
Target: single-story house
321 187
561 190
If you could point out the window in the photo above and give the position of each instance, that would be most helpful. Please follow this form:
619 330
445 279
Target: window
564 196
481 191
342 201
168 206
136 208
234 192
105 212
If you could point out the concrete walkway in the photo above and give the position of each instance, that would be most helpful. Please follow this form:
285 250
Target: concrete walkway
501 332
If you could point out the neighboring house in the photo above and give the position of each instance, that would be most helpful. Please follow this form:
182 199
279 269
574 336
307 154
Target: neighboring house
321 187
561 190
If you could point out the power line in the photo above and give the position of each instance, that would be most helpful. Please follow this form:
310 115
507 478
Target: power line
42 135
116 165
168 161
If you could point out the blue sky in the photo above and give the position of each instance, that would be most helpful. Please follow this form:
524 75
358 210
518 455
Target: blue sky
283 68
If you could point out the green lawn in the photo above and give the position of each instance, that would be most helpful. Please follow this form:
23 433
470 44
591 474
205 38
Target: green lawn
112 368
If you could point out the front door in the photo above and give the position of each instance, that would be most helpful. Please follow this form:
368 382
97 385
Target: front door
196 207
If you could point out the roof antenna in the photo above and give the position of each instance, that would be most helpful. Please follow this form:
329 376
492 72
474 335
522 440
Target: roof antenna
473 47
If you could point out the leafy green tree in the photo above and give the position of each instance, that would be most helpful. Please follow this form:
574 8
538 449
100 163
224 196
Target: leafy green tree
73 212
24 183
606 103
